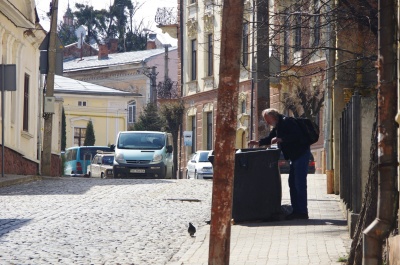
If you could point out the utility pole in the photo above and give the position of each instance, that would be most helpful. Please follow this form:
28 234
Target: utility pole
153 80
166 64
48 118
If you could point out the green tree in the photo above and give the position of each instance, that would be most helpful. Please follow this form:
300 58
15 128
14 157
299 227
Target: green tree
63 130
149 120
94 20
90 139
172 113
66 34
117 22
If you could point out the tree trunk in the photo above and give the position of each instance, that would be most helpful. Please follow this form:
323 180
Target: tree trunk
225 136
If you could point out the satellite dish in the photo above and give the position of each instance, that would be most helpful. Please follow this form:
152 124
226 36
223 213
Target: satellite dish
80 32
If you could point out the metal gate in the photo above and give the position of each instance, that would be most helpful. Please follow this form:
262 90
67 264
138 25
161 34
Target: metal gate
350 154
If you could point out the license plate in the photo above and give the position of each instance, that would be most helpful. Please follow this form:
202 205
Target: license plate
137 171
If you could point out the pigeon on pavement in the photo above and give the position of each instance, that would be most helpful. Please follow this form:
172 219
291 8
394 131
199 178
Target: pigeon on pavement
191 229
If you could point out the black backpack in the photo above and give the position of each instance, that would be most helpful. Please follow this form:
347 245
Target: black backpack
309 128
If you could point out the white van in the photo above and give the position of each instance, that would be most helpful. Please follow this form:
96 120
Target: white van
143 154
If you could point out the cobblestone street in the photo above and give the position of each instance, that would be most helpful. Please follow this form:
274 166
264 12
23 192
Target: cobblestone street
99 221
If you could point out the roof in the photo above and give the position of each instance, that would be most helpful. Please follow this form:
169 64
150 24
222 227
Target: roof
71 86
114 59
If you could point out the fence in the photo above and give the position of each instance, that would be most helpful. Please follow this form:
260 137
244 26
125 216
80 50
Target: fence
350 154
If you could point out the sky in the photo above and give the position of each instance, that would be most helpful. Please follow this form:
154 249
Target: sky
147 11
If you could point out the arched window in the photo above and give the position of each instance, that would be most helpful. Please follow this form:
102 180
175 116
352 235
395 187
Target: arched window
132 112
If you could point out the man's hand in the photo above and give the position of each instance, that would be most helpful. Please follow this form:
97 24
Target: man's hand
252 142
276 140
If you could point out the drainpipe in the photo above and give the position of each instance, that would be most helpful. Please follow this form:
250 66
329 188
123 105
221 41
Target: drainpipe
39 125
253 72
379 229
180 39
330 62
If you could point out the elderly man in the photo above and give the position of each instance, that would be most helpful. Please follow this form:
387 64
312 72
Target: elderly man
289 137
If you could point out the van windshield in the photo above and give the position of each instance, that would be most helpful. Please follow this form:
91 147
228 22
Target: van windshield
149 141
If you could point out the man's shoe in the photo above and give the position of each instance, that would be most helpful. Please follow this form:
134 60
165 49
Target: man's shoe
294 216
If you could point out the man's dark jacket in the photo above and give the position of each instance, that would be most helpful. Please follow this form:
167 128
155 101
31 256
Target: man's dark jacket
293 143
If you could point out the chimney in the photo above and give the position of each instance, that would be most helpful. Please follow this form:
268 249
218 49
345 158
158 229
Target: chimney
151 41
113 45
103 52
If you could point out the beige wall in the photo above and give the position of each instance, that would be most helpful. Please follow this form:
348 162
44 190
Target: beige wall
107 113
20 46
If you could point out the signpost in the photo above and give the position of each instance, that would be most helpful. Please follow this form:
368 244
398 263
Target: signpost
9 83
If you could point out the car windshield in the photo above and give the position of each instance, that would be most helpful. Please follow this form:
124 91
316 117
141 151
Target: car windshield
87 153
107 160
203 157
152 141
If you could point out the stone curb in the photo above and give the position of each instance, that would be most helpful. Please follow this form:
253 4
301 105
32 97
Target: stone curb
15 180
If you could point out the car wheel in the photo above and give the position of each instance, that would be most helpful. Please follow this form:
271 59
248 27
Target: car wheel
89 174
102 175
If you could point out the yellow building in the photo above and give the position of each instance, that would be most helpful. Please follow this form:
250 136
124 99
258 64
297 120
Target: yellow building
110 110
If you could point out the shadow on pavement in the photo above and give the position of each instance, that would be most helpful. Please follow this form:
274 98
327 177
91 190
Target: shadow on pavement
7 225
70 185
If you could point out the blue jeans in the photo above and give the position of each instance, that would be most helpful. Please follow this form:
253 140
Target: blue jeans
298 182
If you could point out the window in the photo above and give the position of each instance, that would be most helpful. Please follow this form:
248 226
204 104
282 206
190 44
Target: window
79 136
82 103
193 1
317 23
193 119
194 60
210 55
209 130
25 125
245 44
132 112
286 37
243 106
297 33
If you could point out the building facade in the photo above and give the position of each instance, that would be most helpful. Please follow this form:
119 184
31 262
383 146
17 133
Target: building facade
21 36
135 72
200 33
109 110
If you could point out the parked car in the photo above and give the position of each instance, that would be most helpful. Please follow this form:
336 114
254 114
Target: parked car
198 166
101 166
77 159
284 165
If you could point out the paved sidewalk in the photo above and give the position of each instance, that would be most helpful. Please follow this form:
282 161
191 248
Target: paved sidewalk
323 239
9 180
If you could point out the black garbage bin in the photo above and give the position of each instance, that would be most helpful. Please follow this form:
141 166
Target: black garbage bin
257 190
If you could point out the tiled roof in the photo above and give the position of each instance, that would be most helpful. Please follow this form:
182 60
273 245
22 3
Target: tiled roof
92 62
71 86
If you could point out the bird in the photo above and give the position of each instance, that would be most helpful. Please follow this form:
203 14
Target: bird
191 229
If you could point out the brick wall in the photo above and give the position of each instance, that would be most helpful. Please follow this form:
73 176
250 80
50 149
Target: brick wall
16 164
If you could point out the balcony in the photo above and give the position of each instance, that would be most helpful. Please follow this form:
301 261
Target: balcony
166 19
